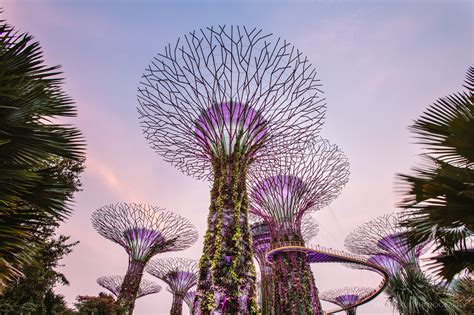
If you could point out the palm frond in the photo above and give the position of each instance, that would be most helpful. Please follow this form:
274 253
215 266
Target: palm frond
447 127
33 192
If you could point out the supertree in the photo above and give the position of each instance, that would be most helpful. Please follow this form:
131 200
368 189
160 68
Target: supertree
384 242
384 238
281 194
179 273
143 231
346 297
261 246
189 300
213 104
114 283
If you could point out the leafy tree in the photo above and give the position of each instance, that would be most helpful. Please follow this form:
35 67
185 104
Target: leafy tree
104 304
34 190
439 201
33 292
463 291
411 292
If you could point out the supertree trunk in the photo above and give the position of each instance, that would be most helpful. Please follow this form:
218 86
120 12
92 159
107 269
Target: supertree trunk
267 285
227 274
295 291
177 306
351 311
132 278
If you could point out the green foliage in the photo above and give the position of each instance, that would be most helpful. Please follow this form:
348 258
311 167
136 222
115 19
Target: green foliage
463 294
411 292
227 262
104 304
35 186
440 195
33 292
294 287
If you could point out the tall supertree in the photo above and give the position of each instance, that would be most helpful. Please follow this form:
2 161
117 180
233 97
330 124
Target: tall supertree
281 194
189 300
261 246
114 284
213 104
143 231
179 273
346 297
384 242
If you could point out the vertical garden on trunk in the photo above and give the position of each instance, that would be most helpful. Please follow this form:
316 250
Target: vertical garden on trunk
212 105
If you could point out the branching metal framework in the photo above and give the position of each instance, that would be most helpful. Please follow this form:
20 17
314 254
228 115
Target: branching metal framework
218 81
384 240
281 194
189 300
309 228
179 273
114 283
212 104
346 297
143 231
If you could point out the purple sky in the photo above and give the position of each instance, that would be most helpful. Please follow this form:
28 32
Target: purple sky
381 63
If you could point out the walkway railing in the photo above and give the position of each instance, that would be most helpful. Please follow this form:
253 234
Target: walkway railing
345 257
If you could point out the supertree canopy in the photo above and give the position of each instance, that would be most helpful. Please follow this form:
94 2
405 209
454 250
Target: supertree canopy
384 243
213 104
179 273
346 297
384 240
143 231
281 194
189 300
114 283
261 246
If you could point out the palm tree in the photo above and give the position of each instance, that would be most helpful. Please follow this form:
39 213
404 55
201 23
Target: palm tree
439 199
35 179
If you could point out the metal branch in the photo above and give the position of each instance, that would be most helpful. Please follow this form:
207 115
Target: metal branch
282 193
345 297
189 299
217 83
384 239
143 230
114 283
179 273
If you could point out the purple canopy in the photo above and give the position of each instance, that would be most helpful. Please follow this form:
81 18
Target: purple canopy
221 124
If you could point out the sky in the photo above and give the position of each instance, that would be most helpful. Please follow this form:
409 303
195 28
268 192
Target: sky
381 64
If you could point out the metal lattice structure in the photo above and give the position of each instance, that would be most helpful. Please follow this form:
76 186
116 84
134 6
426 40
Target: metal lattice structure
282 193
189 300
212 104
179 273
384 239
143 231
192 93
114 283
309 228
346 297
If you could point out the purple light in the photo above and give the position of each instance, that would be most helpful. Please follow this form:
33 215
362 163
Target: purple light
261 238
347 299
396 246
140 240
280 197
386 262
221 124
